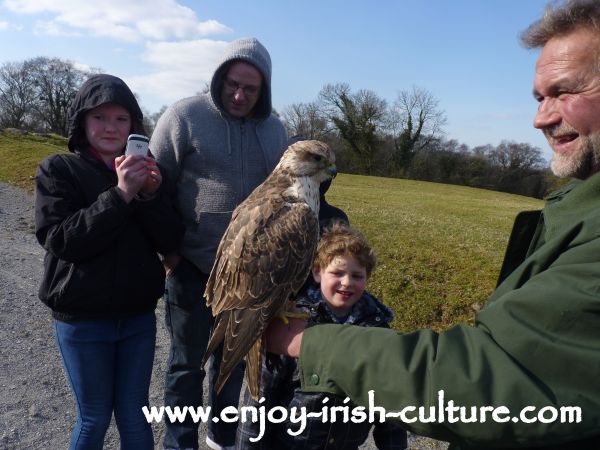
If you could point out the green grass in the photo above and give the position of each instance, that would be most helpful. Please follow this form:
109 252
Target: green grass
439 246
21 153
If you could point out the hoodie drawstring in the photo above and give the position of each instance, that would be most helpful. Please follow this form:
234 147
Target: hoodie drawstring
228 134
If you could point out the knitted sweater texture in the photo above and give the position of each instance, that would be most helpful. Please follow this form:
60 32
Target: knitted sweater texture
214 160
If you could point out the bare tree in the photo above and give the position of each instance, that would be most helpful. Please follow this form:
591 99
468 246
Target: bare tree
306 119
515 156
358 117
35 94
518 168
56 82
415 121
17 95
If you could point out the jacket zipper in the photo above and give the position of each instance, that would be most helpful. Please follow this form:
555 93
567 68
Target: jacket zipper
242 184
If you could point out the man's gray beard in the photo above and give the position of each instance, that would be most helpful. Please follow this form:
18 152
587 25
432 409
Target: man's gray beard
581 164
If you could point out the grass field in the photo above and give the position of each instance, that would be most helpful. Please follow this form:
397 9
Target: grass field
439 246
21 153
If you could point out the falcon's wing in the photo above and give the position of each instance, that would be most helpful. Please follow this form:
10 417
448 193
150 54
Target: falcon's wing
267 245
264 258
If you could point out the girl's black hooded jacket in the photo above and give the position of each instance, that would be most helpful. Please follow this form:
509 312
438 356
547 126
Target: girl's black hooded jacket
101 253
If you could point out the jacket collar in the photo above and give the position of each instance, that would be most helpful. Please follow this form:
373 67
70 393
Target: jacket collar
367 309
571 203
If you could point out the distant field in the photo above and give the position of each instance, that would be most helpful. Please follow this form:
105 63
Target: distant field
439 246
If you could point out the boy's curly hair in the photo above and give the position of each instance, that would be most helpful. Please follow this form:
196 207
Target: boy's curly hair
340 239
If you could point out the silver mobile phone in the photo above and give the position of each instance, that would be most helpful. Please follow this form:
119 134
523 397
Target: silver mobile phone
137 144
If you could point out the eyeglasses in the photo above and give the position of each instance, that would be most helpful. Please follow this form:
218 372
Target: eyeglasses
233 86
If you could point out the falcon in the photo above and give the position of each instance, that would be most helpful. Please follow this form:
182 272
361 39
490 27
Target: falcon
265 257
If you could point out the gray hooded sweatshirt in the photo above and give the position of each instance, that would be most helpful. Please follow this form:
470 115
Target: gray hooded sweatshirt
216 160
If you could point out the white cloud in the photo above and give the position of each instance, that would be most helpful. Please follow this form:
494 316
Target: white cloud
52 28
82 67
178 55
182 69
138 20
4 25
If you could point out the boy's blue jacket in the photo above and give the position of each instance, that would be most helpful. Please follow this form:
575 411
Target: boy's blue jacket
280 385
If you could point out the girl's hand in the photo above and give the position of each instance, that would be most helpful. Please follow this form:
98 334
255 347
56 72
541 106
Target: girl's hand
132 172
153 179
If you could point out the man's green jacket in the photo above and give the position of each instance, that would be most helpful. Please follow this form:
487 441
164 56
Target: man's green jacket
534 349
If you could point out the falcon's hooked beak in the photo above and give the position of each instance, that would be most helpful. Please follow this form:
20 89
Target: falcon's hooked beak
332 170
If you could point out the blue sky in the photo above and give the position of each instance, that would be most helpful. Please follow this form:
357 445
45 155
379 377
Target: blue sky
465 52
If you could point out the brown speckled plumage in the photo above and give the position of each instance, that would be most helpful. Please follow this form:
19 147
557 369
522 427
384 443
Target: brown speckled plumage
265 257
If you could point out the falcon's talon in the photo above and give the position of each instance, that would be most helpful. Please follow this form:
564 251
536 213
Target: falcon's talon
297 315
285 316
284 319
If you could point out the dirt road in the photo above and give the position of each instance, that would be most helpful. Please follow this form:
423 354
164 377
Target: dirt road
36 407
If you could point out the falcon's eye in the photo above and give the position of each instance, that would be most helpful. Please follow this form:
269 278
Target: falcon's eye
317 157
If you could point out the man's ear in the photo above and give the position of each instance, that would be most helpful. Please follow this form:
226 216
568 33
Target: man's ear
316 273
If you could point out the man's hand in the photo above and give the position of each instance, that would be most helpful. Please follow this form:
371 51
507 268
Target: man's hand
285 339
170 261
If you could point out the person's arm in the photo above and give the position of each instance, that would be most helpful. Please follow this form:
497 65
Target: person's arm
65 225
536 345
285 339
169 145
161 222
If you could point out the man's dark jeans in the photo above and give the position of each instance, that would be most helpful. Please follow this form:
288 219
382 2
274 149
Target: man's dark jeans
189 322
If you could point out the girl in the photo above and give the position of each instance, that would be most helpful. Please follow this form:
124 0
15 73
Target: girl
102 217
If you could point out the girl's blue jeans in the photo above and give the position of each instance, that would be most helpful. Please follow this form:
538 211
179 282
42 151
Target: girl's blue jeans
108 363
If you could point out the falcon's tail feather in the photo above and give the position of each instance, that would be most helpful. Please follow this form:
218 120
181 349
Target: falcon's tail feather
238 342
253 367
217 336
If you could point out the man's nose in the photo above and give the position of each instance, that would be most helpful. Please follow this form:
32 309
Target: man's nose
547 114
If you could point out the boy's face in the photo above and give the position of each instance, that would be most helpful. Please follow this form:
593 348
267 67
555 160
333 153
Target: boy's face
342 282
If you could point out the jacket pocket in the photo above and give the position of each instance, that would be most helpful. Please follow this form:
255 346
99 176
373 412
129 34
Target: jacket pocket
57 275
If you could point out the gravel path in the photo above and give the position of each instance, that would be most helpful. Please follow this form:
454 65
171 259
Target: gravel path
36 407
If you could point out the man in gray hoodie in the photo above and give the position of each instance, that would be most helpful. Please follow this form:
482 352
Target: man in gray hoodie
214 148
